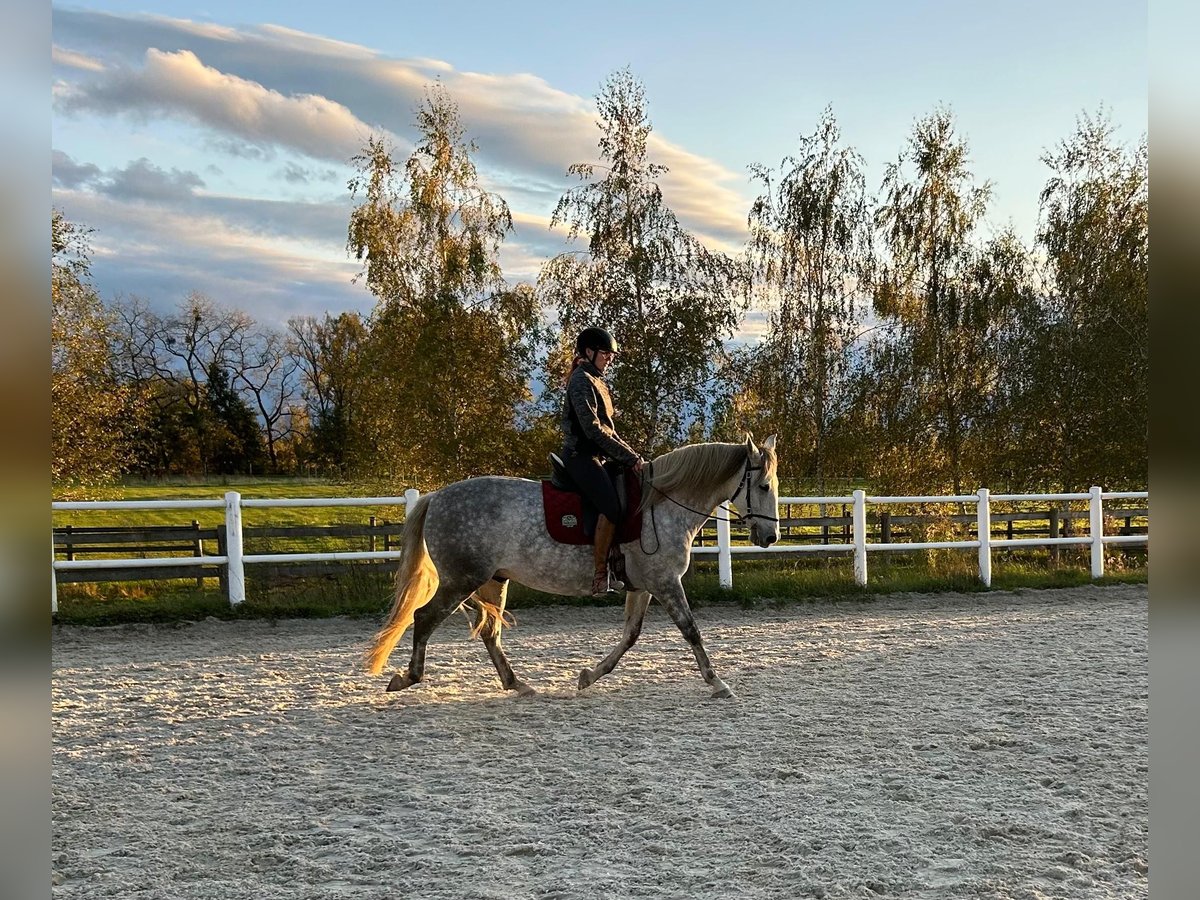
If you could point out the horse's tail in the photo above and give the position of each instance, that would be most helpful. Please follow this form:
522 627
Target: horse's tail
489 601
416 582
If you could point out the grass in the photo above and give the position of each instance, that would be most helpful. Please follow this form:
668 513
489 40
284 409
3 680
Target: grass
248 488
358 594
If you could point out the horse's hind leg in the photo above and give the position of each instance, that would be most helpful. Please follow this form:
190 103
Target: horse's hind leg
636 603
447 599
489 601
675 600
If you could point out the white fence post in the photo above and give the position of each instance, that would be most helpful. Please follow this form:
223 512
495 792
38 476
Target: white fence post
234 568
724 557
860 537
983 515
411 496
53 577
1096 510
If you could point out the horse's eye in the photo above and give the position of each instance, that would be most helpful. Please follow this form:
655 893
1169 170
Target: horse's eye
764 487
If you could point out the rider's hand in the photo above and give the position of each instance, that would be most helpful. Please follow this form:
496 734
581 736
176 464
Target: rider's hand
637 466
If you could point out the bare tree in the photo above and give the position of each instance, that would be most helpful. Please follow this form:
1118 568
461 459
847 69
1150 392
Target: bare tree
199 337
265 367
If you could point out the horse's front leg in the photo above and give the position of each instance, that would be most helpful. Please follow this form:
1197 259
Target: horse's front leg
636 603
675 600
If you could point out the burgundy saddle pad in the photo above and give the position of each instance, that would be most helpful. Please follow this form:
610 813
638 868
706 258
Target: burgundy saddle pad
564 513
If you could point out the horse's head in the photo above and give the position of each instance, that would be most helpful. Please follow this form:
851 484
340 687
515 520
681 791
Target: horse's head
761 487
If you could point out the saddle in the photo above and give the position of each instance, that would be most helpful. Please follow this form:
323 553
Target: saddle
571 518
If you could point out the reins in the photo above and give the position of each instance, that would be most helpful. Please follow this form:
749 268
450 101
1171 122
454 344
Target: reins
743 485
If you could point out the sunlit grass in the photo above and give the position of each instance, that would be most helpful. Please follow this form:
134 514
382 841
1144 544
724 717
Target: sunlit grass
249 489
356 593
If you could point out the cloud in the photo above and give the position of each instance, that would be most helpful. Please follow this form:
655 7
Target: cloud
142 180
285 102
700 192
294 173
61 57
528 131
67 173
239 149
178 83
230 254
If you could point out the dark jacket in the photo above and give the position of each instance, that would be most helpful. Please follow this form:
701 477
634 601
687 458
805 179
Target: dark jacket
587 422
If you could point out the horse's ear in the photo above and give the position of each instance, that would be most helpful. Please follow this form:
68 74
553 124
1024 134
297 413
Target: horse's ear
750 448
769 443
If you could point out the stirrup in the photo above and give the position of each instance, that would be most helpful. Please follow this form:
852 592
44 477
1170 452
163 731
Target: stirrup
602 584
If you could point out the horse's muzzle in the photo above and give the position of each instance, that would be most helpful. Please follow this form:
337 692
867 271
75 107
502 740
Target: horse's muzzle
762 537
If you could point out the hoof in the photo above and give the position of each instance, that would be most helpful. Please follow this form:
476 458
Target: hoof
586 678
524 690
723 693
399 682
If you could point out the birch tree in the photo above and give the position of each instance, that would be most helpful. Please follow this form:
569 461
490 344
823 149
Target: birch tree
668 299
451 345
928 218
809 254
89 410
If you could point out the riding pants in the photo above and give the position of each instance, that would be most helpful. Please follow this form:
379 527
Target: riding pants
595 483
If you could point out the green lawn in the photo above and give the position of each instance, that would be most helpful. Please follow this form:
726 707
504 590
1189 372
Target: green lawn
249 489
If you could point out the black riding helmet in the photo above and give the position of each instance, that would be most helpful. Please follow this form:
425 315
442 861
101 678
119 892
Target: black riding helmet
595 339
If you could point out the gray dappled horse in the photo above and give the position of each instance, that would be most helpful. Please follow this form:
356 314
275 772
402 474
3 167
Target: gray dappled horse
465 541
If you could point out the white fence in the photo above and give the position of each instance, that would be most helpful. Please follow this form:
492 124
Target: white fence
235 560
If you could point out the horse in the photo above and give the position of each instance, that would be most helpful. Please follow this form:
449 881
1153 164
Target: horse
463 543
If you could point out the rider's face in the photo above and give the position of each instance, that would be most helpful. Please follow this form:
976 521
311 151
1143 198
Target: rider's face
601 359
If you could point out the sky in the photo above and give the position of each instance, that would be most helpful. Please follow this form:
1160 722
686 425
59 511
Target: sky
208 145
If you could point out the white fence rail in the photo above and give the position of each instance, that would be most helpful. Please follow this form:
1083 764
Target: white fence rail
235 560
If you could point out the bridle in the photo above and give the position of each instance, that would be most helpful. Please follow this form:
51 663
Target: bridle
743 485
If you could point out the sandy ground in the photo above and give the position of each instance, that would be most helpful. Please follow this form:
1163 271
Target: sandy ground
923 746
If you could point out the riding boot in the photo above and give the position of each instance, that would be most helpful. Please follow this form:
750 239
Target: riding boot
601 585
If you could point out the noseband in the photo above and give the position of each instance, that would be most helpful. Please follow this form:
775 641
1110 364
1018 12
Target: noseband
745 486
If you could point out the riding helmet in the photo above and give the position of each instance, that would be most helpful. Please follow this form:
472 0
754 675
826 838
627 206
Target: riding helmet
595 339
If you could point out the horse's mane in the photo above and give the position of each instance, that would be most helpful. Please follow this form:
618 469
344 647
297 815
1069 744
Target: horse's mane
693 469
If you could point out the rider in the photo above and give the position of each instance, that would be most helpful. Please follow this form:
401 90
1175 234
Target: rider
589 439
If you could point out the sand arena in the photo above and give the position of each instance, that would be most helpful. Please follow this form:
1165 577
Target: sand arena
921 746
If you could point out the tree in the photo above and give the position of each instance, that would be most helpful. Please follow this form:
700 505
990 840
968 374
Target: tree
670 301
166 361
450 345
927 223
89 411
233 443
992 351
329 353
268 373
1092 399
809 252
